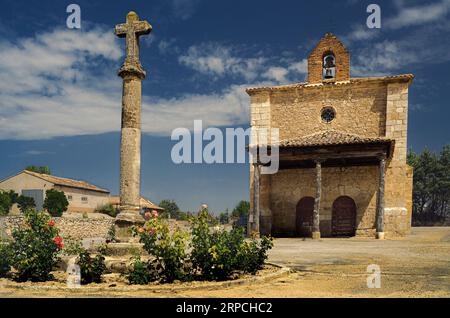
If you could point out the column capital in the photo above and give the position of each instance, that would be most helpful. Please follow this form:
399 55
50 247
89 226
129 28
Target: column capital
382 156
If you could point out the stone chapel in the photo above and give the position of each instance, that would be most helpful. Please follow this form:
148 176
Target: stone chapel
342 152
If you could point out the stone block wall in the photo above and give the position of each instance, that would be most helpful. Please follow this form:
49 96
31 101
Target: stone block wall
398 190
289 186
75 228
360 109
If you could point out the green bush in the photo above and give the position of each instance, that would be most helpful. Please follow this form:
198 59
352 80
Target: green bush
55 202
36 244
25 203
91 268
5 259
216 255
167 248
72 247
142 272
108 209
252 254
5 203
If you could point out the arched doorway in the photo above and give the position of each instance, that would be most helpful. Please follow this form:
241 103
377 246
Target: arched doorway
343 220
304 216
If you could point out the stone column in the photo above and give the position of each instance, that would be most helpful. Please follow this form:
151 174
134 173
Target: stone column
132 74
316 213
253 222
380 199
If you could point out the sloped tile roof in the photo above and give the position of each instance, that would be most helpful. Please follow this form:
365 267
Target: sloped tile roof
330 137
144 202
354 80
66 182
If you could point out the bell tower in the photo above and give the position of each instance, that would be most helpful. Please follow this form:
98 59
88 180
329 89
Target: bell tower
329 61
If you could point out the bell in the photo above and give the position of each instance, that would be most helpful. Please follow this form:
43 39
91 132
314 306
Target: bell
328 73
329 66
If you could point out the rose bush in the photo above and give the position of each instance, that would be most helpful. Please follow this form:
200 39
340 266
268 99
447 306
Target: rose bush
217 254
166 248
35 247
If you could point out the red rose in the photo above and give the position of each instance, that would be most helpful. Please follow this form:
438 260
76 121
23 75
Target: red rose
58 240
51 223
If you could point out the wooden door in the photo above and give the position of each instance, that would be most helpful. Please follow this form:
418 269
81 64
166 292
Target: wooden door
304 216
343 220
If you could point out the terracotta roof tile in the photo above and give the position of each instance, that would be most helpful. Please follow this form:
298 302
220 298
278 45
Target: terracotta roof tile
330 137
144 202
393 78
66 182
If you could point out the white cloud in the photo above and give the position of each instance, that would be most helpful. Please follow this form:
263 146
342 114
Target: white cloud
218 60
276 73
408 15
184 9
64 83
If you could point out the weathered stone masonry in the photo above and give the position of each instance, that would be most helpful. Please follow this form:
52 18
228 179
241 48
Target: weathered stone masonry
360 151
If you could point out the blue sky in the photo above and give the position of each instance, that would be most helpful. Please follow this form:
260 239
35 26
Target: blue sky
60 97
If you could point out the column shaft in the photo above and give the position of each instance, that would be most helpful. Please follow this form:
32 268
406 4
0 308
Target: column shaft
380 199
316 213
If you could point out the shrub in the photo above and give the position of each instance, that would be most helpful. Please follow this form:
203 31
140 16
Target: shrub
5 258
36 245
91 268
5 203
25 203
108 209
72 247
39 169
168 248
214 253
218 254
55 202
252 254
142 272
111 235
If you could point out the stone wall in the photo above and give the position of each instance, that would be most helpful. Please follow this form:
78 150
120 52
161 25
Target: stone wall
289 186
70 227
360 109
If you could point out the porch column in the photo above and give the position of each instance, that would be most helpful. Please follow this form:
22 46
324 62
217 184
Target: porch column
380 199
253 221
316 213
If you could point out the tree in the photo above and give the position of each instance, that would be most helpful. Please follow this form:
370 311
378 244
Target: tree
39 169
224 217
431 186
5 203
25 203
241 209
55 202
170 209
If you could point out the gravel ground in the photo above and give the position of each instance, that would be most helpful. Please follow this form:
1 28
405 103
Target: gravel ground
415 266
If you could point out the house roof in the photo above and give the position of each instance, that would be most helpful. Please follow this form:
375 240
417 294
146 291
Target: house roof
144 202
66 182
329 138
355 80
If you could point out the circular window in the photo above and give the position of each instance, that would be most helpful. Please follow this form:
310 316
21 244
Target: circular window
328 114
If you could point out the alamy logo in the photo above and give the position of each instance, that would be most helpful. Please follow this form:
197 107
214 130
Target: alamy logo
262 149
374 277
74 19
374 19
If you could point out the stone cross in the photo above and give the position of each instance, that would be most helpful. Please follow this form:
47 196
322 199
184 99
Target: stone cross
130 144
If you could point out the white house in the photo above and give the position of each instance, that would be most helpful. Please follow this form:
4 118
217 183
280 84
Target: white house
82 196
